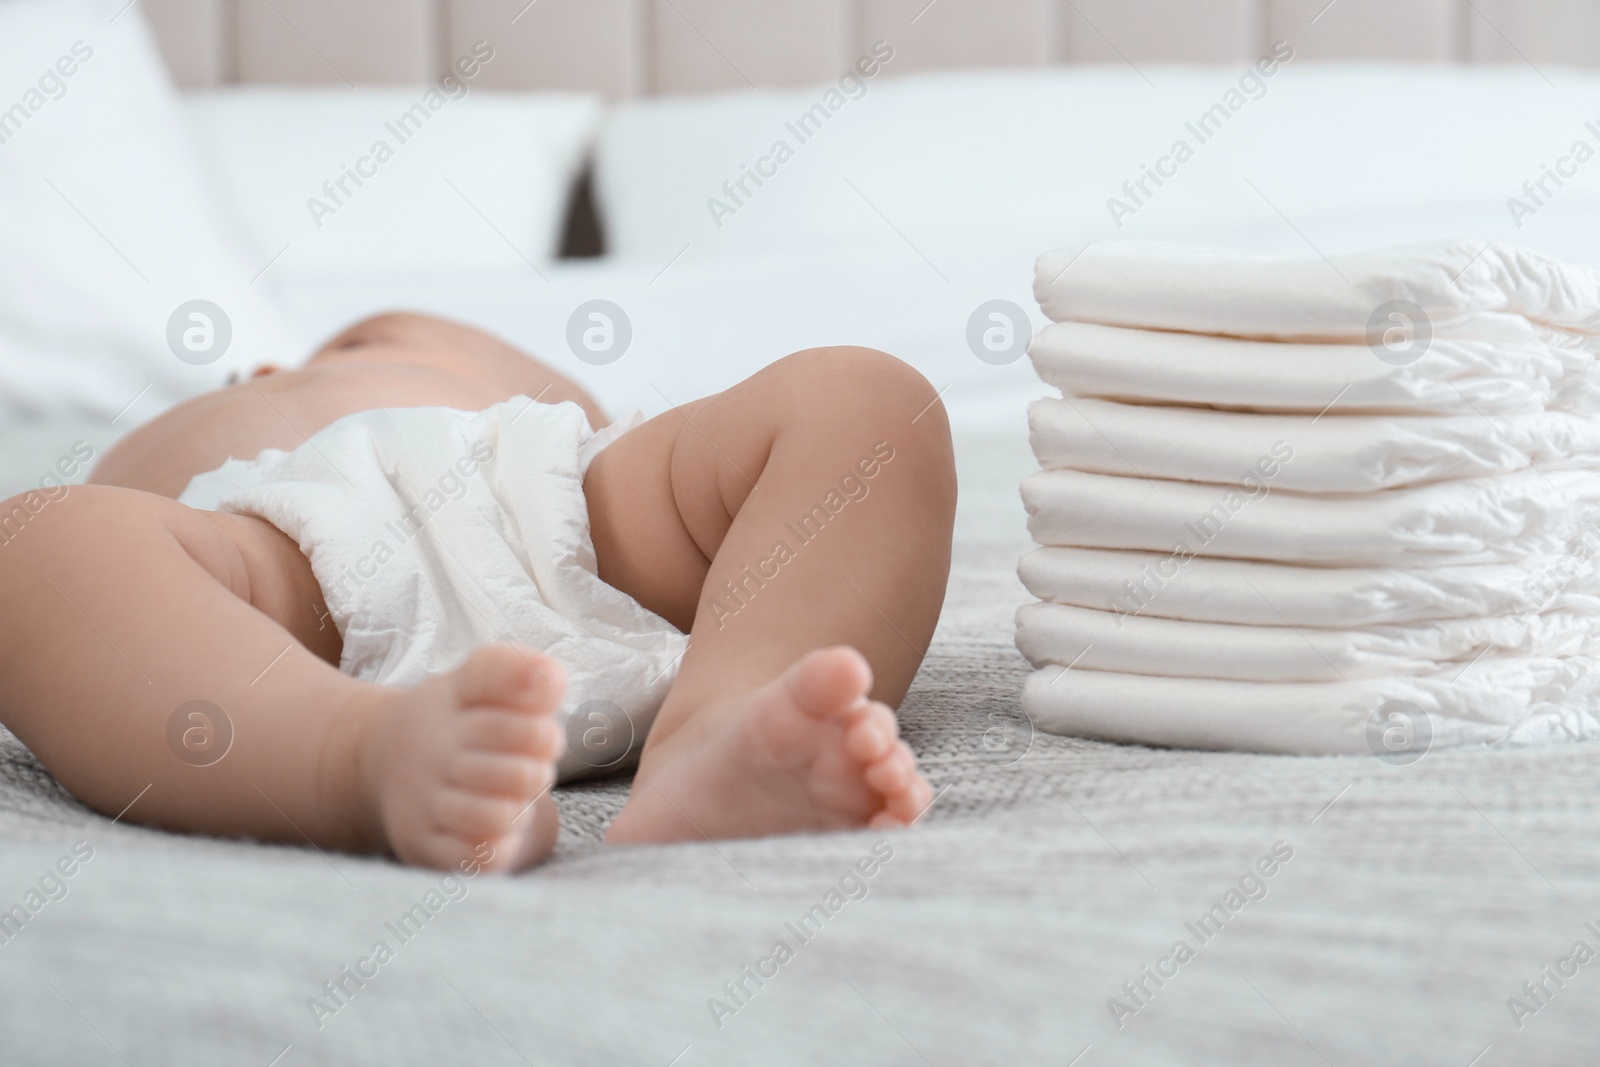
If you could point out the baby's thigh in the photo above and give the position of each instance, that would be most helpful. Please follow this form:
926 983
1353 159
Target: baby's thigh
643 544
128 568
278 579
245 557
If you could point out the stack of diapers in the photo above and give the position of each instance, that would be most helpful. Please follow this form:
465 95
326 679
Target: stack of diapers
1281 497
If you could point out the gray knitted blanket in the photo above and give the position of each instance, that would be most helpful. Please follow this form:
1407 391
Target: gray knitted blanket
1063 902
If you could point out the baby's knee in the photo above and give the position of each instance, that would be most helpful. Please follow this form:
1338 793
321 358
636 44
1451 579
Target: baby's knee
857 389
861 381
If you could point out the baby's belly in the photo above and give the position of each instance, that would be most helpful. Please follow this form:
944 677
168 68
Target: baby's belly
278 411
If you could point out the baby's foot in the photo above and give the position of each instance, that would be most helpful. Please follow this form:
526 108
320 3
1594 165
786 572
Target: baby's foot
806 751
460 767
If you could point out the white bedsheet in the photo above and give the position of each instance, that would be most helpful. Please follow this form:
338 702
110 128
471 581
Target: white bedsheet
700 327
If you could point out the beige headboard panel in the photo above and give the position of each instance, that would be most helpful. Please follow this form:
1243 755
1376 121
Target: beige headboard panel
632 47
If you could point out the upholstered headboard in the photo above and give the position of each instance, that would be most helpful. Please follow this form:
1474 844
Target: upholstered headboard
633 47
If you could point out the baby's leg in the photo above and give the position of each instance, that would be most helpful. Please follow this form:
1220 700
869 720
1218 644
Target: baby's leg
122 607
793 520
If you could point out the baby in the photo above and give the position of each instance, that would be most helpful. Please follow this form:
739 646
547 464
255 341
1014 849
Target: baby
349 727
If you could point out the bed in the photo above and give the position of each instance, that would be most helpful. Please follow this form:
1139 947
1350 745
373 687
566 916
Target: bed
1033 916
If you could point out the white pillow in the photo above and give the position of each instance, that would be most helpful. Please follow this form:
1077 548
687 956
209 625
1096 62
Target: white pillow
432 179
1350 154
109 227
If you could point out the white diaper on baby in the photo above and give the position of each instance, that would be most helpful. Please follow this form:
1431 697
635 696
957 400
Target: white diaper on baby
433 532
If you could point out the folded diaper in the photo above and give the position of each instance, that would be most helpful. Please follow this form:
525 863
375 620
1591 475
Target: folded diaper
1469 289
1166 585
1259 524
1482 520
1454 377
1108 641
433 532
1331 454
1511 701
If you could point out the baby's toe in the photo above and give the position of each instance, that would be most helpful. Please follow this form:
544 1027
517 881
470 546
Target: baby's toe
909 803
894 777
508 676
870 734
498 774
886 821
503 732
495 674
894 772
532 837
828 681
474 816
439 850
